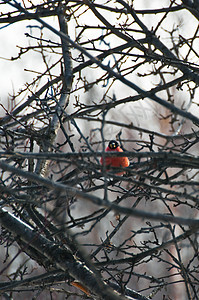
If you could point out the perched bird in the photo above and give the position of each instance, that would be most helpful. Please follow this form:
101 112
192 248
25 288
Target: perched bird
115 162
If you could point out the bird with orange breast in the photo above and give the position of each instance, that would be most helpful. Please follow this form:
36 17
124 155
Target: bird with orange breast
115 161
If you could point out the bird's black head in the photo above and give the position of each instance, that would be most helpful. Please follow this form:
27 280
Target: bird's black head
113 144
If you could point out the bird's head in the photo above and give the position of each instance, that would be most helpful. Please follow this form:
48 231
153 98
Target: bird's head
113 144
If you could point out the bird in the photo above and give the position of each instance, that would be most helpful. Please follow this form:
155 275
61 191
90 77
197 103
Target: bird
115 161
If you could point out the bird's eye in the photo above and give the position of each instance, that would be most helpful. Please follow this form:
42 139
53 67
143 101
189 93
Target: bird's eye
113 144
